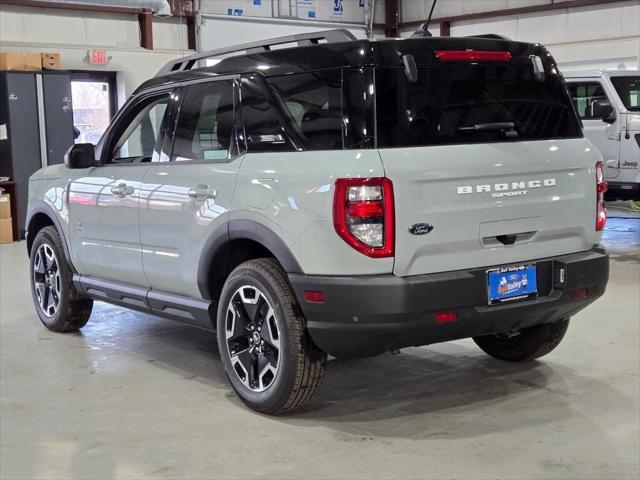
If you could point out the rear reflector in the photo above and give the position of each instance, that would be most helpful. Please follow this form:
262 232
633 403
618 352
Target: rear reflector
314 296
446 317
579 294
472 56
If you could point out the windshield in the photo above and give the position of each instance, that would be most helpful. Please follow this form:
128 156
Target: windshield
471 104
628 89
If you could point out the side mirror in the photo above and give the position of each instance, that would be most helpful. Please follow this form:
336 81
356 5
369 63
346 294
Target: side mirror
603 109
80 155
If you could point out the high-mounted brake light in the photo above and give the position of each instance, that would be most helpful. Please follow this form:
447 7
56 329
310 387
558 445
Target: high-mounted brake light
601 187
473 56
363 215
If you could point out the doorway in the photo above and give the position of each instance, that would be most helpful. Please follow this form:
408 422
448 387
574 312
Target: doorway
94 104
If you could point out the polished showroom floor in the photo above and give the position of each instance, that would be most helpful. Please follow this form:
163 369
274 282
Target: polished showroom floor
134 396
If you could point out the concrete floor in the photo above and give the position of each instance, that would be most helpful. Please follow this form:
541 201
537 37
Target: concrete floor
134 396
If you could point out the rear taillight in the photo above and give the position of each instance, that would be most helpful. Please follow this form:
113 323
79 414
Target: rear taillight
363 215
473 56
601 187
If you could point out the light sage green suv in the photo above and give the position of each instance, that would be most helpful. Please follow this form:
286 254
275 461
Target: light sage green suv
334 196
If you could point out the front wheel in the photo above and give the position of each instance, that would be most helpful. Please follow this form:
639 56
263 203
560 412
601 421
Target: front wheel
58 303
526 344
268 356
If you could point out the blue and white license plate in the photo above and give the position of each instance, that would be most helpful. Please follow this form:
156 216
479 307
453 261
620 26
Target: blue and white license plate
512 284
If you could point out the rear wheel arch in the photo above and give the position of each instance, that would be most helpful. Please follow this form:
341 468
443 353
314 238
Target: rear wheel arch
234 243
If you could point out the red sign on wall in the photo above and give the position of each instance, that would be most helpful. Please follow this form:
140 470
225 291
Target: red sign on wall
97 57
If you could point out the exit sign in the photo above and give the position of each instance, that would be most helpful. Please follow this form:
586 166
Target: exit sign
98 57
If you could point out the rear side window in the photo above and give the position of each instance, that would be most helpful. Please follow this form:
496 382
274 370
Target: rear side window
584 94
471 104
312 102
263 121
205 127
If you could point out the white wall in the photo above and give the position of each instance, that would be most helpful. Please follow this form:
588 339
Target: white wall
218 31
73 33
319 10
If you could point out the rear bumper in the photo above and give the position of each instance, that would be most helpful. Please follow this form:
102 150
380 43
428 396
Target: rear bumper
367 315
623 191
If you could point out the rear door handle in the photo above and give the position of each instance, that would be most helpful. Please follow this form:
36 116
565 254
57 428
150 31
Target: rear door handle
122 190
202 192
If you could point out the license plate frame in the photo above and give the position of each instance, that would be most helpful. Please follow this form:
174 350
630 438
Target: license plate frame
512 283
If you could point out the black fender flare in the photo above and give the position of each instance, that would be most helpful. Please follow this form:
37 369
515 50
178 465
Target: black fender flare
243 230
40 206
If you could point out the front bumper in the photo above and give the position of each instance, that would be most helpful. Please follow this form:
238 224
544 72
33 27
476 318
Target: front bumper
367 315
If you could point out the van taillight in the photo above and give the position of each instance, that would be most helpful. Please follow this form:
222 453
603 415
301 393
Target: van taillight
601 187
473 56
363 215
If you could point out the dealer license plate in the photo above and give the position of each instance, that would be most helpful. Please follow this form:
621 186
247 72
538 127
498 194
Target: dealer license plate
512 284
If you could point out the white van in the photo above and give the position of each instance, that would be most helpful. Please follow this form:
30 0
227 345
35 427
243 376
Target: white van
608 102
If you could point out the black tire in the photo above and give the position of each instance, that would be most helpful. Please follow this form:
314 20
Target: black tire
526 344
300 364
66 309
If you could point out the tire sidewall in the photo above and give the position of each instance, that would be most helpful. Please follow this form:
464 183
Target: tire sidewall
279 390
45 237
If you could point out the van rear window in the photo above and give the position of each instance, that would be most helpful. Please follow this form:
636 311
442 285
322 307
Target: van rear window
471 104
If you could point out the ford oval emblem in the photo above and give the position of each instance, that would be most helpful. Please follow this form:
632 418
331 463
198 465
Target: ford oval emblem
420 228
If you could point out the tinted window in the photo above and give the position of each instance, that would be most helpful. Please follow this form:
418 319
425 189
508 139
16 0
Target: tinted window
583 96
471 104
205 127
138 141
629 90
263 120
313 105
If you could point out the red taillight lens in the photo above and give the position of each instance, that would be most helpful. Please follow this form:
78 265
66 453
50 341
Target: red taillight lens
363 215
601 187
472 56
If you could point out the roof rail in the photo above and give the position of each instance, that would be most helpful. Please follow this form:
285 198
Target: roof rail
302 39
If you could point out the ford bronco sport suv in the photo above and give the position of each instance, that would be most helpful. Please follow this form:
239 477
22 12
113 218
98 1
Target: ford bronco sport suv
338 196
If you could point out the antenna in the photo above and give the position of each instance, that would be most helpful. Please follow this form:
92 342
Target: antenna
423 31
433 6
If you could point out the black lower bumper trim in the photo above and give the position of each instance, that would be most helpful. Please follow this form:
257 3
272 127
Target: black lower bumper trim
367 315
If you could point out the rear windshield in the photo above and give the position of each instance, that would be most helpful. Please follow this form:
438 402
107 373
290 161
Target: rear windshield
471 104
629 90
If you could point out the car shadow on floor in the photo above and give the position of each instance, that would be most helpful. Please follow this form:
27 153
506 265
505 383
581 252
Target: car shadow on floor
443 391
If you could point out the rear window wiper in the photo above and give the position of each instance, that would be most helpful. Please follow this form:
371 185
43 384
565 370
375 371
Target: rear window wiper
507 127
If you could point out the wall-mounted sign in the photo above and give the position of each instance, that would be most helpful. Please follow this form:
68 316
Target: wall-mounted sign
97 57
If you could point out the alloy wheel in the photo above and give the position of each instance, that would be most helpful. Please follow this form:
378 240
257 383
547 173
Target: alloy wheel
253 338
46 280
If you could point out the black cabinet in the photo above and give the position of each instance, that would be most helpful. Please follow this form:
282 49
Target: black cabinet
36 127
19 134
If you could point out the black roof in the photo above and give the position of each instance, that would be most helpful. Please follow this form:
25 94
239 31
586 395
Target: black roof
352 54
